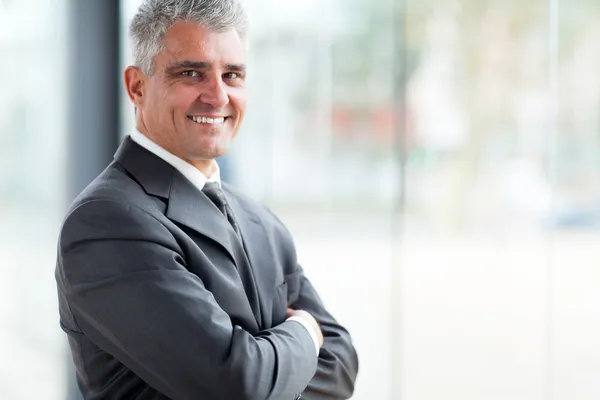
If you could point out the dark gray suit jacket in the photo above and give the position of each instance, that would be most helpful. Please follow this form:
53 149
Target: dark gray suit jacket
160 299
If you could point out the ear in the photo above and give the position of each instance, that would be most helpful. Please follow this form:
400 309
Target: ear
135 84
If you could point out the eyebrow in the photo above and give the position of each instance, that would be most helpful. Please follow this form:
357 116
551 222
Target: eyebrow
235 67
203 65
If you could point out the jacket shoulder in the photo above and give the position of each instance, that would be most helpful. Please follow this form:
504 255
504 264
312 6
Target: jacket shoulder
116 184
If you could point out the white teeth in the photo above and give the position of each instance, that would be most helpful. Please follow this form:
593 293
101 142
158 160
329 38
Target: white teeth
205 120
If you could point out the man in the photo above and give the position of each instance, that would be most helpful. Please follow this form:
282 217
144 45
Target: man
171 284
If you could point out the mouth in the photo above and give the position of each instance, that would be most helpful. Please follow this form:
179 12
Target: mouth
208 120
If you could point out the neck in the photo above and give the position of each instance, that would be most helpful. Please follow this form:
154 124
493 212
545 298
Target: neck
206 167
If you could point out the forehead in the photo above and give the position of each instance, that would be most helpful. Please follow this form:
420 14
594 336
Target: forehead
186 41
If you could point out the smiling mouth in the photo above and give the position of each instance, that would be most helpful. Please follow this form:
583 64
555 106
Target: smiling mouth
207 120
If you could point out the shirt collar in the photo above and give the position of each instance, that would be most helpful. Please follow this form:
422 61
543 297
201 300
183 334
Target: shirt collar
196 177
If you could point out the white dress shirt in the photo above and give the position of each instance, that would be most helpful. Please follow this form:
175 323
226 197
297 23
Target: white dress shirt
198 179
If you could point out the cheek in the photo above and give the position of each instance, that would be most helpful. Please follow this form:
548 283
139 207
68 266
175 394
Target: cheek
238 101
180 99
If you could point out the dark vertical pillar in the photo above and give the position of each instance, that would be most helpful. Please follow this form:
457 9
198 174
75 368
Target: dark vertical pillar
94 82
94 89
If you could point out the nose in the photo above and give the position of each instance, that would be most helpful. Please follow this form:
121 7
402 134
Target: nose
214 93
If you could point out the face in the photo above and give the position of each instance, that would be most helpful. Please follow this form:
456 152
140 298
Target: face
194 102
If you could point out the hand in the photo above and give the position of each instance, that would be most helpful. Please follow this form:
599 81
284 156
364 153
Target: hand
305 315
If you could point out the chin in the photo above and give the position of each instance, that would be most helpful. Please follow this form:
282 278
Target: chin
211 152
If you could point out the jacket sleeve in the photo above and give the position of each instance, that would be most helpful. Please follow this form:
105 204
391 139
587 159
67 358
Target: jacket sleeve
128 289
338 362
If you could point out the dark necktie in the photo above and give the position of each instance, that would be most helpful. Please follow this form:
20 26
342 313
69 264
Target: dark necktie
213 191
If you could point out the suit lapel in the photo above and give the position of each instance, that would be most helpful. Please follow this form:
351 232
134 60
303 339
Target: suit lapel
186 205
257 248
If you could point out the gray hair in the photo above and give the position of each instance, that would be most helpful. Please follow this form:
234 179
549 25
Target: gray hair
155 17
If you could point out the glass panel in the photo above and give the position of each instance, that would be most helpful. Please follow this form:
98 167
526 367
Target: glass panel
497 288
574 363
474 255
32 187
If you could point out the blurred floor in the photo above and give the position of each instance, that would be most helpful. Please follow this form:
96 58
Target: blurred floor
478 318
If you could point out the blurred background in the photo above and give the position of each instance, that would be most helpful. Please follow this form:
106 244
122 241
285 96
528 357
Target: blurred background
438 162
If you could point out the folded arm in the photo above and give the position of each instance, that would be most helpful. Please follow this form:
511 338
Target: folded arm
338 362
129 291
337 366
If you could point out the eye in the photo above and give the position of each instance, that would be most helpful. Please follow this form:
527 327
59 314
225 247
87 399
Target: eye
190 73
231 75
